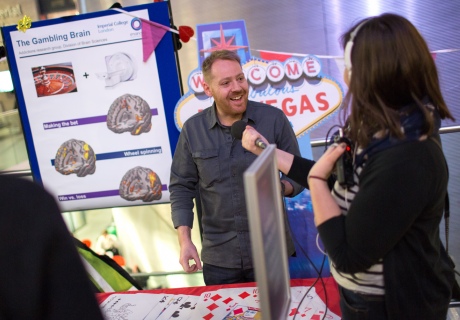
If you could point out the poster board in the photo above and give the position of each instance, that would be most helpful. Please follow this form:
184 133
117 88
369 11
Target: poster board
98 121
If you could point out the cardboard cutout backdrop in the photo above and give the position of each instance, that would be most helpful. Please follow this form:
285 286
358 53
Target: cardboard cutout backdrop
297 86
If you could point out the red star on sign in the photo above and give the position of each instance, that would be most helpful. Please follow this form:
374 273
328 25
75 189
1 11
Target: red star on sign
227 45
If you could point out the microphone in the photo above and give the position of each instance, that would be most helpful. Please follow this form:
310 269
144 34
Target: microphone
260 143
237 129
237 132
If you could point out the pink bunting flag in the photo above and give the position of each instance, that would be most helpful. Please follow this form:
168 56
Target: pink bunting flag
152 33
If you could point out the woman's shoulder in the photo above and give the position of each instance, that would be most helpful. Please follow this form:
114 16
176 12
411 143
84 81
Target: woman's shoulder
408 156
412 148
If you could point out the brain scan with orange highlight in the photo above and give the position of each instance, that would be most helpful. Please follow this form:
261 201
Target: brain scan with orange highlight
140 183
75 157
129 113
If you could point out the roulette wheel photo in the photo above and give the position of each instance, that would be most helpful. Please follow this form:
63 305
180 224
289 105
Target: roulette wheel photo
54 79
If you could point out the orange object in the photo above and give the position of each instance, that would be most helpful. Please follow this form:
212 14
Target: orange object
119 259
87 242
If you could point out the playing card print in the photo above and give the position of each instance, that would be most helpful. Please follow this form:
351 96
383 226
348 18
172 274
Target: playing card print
186 309
128 306
307 305
179 308
230 303
243 312
217 304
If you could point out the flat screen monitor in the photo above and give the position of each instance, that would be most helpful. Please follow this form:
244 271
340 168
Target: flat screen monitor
267 230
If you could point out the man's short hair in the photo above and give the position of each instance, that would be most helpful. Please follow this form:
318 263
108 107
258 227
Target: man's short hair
213 57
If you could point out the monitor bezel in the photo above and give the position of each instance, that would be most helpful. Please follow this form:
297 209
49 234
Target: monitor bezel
265 273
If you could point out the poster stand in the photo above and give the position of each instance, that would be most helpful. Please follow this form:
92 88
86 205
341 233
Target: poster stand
98 122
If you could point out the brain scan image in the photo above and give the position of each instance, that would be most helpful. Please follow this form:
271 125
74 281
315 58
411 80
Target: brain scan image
129 113
75 156
140 183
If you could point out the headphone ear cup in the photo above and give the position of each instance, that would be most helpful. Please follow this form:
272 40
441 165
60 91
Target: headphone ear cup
349 48
347 55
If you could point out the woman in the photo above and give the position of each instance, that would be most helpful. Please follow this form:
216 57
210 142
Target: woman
382 234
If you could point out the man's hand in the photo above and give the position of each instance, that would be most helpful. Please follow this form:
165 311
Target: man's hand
188 251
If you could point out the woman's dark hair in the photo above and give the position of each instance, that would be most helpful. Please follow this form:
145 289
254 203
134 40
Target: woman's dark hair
392 67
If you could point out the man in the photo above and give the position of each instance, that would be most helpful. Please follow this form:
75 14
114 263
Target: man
210 163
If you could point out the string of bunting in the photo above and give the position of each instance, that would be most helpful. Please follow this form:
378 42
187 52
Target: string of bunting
339 60
153 32
290 54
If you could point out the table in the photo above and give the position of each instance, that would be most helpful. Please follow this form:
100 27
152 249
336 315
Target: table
328 293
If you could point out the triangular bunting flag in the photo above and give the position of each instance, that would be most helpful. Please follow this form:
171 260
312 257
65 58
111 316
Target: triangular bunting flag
151 37
153 32
270 55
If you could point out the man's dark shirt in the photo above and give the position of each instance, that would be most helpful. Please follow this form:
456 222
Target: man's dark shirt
208 156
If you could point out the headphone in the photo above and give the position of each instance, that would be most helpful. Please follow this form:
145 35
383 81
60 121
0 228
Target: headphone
349 47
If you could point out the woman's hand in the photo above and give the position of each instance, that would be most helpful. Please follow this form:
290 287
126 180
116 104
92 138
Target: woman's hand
250 135
324 205
324 166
